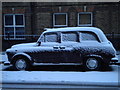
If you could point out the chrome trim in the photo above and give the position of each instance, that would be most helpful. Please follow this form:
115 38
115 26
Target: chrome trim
57 63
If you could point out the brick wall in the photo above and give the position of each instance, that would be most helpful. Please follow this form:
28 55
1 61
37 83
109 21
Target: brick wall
40 15
18 8
103 14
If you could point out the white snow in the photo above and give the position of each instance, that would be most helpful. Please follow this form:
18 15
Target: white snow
24 45
73 29
35 49
56 76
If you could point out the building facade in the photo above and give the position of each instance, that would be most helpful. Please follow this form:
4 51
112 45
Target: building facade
25 21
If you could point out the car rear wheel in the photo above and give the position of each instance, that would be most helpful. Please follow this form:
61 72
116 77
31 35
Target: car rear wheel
92 64
21 64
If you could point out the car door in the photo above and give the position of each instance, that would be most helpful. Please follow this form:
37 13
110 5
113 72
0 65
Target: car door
68 41
50 52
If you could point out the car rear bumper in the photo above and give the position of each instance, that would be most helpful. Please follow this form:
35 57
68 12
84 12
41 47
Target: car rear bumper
114 60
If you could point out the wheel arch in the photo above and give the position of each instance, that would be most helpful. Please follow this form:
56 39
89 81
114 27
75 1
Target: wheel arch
24 55
93 55
103 60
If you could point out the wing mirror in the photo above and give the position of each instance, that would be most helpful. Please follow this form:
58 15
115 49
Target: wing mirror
39 43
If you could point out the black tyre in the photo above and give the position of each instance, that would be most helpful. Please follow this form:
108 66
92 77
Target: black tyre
105 66
21 64
92 64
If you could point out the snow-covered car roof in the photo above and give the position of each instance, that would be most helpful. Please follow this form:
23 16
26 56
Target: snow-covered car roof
97 31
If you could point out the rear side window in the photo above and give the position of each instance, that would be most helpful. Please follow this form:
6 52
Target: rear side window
51 37
88 36
69 36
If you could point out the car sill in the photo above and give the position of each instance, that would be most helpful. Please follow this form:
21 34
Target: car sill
57 64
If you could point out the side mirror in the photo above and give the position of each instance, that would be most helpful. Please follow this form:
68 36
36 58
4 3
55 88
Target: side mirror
39 43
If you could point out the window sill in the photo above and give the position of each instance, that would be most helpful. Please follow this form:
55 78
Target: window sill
87 25
15 39
60 25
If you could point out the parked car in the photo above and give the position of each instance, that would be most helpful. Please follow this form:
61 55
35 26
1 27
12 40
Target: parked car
86 46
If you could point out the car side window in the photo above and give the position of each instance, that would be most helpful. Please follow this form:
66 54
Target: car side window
88 36
69 36
51 37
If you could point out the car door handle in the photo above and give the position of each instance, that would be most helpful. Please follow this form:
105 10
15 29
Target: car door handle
56 47
59 47
62 47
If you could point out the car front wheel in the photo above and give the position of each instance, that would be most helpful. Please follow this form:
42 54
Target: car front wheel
92 64
21 64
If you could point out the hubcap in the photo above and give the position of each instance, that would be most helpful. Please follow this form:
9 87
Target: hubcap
20 64
92 63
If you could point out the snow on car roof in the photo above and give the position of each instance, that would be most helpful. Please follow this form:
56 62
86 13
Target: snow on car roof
92 29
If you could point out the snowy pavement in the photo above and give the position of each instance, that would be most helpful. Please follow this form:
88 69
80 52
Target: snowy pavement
61 76
92 78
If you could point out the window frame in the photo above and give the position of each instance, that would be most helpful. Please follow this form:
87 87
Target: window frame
14 26
55 21
85 24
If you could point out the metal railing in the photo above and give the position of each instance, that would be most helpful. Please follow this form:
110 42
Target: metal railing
24 37
19 37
